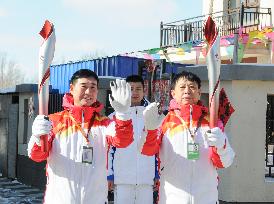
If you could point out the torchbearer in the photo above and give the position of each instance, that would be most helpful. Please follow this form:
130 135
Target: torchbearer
78 139
46 54
191 141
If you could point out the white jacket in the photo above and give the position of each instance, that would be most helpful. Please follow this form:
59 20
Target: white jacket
69 181
185 181
128 164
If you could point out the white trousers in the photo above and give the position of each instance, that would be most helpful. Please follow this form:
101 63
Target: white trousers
133 194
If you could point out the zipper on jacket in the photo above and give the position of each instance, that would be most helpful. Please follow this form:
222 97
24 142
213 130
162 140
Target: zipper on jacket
192 168
192 175
83 120
82 124
190 118
137 158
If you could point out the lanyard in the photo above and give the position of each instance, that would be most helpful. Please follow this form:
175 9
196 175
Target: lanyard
81 129
184 123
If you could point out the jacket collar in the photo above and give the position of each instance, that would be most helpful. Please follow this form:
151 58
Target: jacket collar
184 110
77 111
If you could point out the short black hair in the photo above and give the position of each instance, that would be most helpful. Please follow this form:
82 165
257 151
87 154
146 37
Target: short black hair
187 75
84 73
135 78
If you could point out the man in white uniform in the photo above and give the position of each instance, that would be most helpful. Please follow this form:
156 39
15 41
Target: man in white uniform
190 151
133 173
78 138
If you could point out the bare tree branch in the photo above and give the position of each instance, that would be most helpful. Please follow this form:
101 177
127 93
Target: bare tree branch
10 74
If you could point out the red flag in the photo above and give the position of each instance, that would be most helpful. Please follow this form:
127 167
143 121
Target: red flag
225 107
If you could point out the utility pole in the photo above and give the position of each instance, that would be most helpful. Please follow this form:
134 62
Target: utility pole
271 43
236 45
236 36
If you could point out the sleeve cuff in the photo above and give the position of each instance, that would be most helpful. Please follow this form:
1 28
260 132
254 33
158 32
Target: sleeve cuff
122 116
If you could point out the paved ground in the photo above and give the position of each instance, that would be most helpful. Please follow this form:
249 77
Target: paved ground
13 192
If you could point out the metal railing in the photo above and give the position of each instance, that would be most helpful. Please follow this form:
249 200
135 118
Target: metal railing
228 22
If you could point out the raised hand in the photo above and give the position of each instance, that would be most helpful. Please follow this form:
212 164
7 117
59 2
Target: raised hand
120 98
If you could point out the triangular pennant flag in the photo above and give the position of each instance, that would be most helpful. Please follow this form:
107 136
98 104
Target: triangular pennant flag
230 40
186 47
252 35
230 50
154 50
180 51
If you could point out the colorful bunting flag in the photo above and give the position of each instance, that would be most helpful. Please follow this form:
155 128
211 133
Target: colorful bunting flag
180 52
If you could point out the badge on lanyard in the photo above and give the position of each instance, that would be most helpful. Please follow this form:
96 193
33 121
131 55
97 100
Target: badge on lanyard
87 155
193 151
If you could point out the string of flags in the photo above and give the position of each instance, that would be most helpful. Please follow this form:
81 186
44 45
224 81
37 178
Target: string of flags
198 48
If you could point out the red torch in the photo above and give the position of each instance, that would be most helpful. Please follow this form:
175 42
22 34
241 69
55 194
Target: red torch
213 59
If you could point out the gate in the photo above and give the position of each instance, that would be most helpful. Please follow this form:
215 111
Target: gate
269 141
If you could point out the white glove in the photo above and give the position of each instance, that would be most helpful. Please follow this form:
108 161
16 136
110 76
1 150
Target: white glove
41 126
152 119
120 98
215 137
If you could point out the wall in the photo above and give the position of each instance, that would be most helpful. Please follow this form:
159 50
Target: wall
245 181
264 59
3 146
4 103
218 5
12 140
22 146
28 171
8 134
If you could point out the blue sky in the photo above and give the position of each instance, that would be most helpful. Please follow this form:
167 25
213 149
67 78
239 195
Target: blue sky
82 27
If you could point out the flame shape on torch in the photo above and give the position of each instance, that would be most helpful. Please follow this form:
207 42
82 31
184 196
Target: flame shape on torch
210 31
